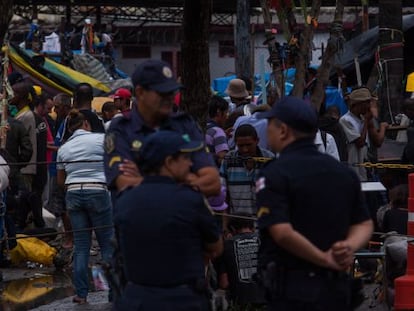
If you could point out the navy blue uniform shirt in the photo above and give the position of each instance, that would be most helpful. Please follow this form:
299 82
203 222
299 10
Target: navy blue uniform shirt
162 236
126 134
319 196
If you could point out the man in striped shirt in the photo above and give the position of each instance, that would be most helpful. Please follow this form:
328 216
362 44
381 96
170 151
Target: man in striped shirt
239 170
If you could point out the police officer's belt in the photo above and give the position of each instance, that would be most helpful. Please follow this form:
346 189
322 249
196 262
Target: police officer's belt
321 273
198 285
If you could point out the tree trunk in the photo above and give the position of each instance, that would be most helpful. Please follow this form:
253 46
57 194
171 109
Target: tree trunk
302 57
243 40
334 43
391 57
6 13
195 58
365 15
274 58
286 17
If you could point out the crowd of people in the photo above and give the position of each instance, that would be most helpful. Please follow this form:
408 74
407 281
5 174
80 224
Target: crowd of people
262 198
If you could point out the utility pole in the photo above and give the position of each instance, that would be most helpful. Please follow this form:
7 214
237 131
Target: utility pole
391 58
243 40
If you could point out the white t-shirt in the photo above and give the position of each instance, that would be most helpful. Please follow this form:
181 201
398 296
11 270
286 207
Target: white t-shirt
330 148
352 126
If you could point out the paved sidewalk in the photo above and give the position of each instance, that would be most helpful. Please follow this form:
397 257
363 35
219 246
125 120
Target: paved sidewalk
97 301
26 279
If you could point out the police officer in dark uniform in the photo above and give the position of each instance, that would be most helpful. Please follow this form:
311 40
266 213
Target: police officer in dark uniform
312 217
166 229
155 88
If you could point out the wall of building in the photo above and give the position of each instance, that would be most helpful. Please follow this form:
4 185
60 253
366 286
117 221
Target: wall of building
128 65
219 66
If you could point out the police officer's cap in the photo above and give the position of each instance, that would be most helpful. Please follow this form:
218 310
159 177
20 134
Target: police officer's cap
155 75
294 112
162 144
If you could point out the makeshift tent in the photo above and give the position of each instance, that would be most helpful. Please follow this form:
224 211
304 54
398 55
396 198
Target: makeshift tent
365 45
50 75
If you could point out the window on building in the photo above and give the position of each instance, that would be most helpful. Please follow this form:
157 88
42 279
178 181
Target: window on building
226 48
136 51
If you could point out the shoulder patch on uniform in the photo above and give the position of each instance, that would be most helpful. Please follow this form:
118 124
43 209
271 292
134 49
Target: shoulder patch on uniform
114 160
260 184
263 210
109 142
208 205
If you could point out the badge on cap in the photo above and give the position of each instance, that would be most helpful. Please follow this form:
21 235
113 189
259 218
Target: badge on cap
136 145
167 72
109 143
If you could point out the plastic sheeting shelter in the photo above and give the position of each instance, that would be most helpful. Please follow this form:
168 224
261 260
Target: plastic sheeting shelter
50 75
365 46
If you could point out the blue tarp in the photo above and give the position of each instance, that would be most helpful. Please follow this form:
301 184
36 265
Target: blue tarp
220 84
333 95
335 98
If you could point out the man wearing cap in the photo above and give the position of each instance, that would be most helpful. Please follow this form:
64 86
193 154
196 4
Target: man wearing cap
164 238
359 128
122 100
312 217
154 87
